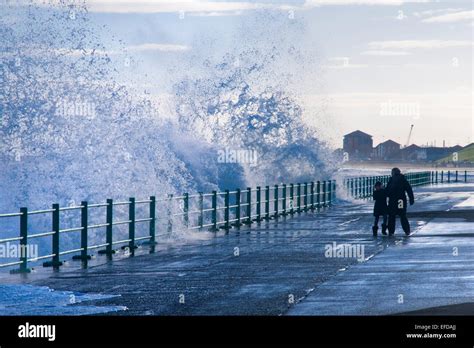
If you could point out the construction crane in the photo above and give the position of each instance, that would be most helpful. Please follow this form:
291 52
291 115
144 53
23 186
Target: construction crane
409 136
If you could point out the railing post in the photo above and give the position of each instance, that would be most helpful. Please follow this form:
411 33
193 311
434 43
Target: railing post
55 263
201 210
238 194
305 199
84 232
259 204
186 209
311 195
465 176
249 206
275 202
334 187
436 176
267 202
131 226
329 192
318 195
323 192
110 224
298 194
442 176
23 242
108 230
214 211
456 176
56 228
169 212
283 193
227 210
449 176
292 201
152 220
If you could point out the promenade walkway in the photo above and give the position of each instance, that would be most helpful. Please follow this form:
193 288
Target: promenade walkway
282 267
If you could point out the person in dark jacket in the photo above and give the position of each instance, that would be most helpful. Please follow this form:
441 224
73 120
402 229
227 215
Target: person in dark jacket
380 208
397 189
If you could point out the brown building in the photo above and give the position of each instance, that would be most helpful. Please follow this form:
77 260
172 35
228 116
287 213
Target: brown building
358 145
413 153
386 150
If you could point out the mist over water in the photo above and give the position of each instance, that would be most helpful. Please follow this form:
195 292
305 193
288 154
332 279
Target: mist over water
71 129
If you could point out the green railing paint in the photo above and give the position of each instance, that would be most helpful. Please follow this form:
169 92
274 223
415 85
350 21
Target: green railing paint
152 227
249 206
259 204
214 211
267 202
131 225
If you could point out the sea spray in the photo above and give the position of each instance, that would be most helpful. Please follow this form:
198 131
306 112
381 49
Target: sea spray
70 132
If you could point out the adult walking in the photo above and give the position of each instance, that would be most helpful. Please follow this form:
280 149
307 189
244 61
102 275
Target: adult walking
397 189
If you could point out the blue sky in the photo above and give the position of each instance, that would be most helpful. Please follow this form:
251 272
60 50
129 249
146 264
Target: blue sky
363 57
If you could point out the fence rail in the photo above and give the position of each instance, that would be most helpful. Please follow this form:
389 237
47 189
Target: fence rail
361 187
211 211
147 219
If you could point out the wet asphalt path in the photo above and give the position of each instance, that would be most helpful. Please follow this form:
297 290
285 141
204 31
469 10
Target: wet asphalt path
273 268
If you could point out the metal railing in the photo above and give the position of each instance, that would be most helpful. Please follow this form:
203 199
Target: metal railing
362 187
212 211
449 176
145 220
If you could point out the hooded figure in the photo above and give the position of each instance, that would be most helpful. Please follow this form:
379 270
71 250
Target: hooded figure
397 189
380 207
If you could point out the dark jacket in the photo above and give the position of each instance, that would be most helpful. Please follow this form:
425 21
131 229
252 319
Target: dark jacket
380 204
397 189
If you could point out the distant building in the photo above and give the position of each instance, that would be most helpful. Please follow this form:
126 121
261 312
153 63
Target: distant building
387 150
358 145
413 153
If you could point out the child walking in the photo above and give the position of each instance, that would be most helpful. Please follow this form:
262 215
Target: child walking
380 208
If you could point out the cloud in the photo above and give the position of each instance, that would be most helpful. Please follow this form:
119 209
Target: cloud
168 6
362 2
436 12
418 44
385 53
451 17
216 13
216 8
